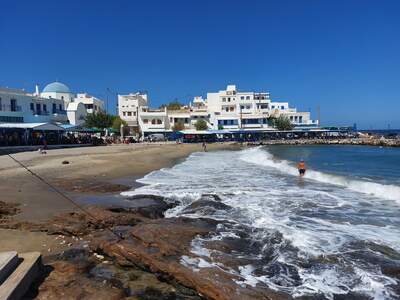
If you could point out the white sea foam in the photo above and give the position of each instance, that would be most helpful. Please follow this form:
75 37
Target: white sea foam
317 220
262 157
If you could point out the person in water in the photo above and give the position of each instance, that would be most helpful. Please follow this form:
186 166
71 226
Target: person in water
301 166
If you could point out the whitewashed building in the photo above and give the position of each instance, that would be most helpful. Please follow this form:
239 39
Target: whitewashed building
128 109
153 121
19 106
234 110
91 103
55 104
228 109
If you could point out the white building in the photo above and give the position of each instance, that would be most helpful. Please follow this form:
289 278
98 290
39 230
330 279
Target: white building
129 106
91 103
76 113
153 121
234 110
55 104
227 109
19 106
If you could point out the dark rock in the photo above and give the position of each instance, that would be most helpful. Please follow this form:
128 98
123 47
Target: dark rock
7 210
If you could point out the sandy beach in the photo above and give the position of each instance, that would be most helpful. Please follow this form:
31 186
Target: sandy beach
91 172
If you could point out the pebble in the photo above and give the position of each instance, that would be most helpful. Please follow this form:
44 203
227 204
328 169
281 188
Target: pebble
98 256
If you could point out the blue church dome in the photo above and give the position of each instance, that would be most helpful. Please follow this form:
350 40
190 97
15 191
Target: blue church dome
56 87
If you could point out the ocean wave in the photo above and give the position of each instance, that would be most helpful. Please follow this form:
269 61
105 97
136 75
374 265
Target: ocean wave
262 157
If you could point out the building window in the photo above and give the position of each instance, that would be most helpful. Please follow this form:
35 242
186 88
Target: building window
54 108
60 106
247 97
226 109
171 120
129 114
231 108
300 119
159 121
124 113
62 97
282 107
223 99
247 106
241 97
38 108
13 103
229 99
273 106
134 113
291 118
153 121
241 106
145 121
44 107
32 106
1 106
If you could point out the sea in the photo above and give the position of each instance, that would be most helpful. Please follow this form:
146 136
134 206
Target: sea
334 232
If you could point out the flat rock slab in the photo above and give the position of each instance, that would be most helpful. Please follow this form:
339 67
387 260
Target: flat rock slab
8 262
19 281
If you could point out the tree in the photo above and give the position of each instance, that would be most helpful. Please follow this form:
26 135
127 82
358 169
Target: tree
178 126
201 125
117 122
173 105
283 123
100 120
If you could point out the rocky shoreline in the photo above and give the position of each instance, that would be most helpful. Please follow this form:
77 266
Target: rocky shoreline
342 141
132 253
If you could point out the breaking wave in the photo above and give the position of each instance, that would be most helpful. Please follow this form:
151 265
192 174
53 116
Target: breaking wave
262 157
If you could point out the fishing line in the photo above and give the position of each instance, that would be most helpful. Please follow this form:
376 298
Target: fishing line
65 196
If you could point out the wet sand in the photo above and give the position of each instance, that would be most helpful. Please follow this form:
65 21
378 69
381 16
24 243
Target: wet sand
92 171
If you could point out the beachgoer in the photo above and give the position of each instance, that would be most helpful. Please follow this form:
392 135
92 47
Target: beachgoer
301 166
204 147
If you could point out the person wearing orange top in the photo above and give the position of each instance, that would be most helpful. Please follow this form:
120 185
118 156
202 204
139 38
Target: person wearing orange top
301 166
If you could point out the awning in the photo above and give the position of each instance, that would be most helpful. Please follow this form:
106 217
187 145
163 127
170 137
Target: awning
33 126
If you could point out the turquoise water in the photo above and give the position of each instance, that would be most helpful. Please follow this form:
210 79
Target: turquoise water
377 164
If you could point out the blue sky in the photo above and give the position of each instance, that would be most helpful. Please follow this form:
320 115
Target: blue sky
343 56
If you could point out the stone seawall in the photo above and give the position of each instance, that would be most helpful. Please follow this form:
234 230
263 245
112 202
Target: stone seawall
344 141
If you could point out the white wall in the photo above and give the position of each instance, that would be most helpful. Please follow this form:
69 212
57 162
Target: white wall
24 111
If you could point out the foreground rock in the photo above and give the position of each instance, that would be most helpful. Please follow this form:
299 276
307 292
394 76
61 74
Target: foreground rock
133 253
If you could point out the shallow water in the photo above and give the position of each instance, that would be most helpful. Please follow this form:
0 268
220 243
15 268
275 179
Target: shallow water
335 231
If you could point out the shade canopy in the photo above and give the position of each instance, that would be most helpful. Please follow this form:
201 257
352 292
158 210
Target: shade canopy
33 126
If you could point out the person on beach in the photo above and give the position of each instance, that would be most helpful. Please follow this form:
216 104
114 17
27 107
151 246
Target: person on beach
204 147
301 166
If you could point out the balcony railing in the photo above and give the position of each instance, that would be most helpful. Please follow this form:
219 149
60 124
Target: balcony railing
8 107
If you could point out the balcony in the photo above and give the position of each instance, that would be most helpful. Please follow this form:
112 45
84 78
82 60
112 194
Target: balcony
8 107
40 113
59 112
